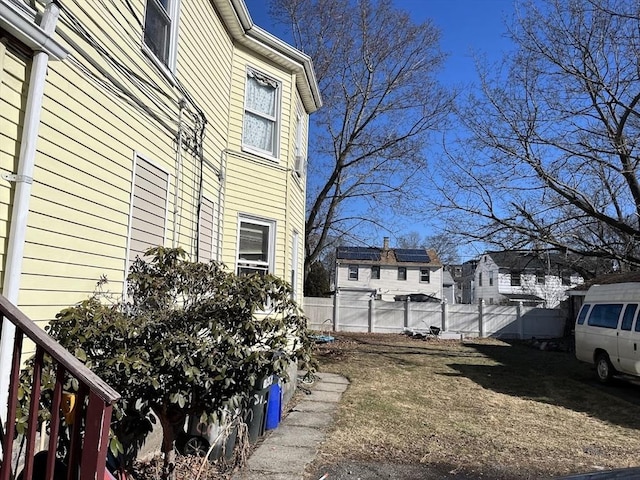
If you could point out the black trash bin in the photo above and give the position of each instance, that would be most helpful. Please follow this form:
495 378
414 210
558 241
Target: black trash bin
255 415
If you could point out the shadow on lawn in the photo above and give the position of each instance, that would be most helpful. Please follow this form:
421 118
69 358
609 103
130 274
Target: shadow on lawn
555 378
400 353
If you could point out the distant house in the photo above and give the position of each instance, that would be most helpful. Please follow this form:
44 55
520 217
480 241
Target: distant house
533 278
464 276
389 273
449 286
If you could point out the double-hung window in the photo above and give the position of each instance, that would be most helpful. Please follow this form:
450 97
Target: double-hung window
255 246
375 272
261 111
300 158
161 29
353 272
424 275
402 273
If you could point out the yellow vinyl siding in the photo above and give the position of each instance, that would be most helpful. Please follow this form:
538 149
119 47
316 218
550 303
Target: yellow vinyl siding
204 62
79 222
14 73
268 181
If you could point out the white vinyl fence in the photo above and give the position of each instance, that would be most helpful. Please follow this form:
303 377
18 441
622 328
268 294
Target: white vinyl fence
500 321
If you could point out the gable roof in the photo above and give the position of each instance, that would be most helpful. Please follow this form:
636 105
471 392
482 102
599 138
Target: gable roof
608 279
521 260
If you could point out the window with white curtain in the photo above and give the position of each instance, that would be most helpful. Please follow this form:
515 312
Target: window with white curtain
260 132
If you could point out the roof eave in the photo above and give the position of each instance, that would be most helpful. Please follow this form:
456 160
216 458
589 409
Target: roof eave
242 29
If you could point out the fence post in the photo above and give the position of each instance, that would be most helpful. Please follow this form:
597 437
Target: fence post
445 312
480 319
371 314
520 320
336 310
407 313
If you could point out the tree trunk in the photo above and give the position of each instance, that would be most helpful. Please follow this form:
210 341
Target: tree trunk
168 443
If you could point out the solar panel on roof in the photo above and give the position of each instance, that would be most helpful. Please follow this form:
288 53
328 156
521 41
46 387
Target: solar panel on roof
358 253
412 255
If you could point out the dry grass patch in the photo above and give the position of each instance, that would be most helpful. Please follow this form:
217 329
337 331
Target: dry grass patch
479 406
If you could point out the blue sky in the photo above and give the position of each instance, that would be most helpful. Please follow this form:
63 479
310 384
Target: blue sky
466 26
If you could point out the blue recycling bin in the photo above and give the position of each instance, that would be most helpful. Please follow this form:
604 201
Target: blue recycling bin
274 405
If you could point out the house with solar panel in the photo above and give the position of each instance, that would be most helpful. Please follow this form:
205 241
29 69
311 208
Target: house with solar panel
388 273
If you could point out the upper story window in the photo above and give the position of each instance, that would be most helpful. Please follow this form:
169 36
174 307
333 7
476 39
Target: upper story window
540 278
261 114
255 246
491 279
402 273
480 279
161 30
300 159
375 272
515 279
424 275
353 272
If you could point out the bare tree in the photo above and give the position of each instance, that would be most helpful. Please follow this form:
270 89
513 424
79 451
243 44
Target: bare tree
445 245
552 156
376 70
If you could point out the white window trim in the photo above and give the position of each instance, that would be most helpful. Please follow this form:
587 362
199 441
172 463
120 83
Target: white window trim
357 272
299 157
272 224
275 155
136 156
170 67
405 274
428 275
376 268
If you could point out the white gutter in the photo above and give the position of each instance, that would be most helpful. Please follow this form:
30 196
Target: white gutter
20 22
23 179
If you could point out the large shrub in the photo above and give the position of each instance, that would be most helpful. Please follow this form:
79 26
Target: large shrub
190 339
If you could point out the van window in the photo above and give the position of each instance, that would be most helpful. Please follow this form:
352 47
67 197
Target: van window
605 315
583 313
627 318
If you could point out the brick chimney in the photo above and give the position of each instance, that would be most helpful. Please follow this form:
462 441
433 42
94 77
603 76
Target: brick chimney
385 243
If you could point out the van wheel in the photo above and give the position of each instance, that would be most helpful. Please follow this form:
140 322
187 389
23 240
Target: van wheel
604 369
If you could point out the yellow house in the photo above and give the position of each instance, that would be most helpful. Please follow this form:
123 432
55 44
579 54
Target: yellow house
135 123
176 123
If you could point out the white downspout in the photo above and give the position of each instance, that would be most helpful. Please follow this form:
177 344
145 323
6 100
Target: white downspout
176 196
23 179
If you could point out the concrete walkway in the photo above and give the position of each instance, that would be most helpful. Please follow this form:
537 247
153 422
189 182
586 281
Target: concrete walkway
286 451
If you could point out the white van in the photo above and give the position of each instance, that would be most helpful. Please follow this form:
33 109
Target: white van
608 331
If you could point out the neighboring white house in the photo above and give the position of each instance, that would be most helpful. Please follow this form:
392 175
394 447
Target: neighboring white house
388 273
536 279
